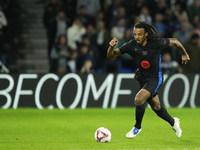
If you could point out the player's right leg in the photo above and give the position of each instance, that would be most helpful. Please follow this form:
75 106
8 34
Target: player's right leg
140 98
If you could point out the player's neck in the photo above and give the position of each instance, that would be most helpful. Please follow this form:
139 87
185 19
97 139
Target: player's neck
144 43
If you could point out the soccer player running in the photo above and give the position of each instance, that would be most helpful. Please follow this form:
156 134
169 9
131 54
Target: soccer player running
145 49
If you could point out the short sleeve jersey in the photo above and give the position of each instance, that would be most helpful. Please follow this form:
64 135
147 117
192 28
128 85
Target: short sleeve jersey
147 58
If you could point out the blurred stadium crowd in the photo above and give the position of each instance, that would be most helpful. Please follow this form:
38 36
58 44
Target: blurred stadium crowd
79 32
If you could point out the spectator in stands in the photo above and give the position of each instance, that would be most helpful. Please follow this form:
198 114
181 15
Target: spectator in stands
60 24
90 39
105 5
134 19
179 11
195 21
93 6
58 57
49 17
126 38
119 29
85 61
137 7
145 16
194 9
68 6
189 3
83 15
154 8
197 29
51 12
71 61
92 51
183 3
168 65
111 11
193 49
128 6
121 13
162 5
170 21
160 26
3 24
99 16
101 37
184 34
90 33
75 33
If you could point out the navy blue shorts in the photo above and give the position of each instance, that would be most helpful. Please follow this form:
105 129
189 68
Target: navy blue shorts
152 85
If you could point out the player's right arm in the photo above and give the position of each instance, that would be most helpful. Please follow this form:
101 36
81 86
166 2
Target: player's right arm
113 53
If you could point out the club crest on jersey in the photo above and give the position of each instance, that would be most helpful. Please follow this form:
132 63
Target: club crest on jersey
144 53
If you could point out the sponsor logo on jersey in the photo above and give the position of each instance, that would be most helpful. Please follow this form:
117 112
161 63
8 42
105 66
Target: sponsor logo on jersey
145 64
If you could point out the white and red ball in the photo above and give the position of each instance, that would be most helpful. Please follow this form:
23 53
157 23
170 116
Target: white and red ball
102 135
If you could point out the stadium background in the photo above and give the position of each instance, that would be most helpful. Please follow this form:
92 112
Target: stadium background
30 48
44 75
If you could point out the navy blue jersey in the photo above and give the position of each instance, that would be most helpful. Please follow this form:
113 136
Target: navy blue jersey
147 58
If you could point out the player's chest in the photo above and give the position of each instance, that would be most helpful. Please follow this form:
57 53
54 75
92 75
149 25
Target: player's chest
145 52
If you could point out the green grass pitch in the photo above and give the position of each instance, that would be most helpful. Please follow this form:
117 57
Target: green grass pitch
34 129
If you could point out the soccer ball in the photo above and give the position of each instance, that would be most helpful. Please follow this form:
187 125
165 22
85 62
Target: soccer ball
102 135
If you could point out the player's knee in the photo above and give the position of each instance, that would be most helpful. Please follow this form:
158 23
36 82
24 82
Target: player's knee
156 108
138 101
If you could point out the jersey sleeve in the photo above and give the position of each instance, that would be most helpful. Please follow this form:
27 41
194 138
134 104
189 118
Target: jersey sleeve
162 43
123 49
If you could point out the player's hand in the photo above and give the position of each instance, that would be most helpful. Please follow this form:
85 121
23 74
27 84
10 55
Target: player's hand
113 42
185 58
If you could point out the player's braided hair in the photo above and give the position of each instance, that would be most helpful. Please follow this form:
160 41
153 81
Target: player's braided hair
152 32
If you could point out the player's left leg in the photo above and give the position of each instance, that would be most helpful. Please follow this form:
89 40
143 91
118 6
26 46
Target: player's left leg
162 113
160 110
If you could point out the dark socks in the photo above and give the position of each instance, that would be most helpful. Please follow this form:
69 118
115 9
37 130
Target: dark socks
162 113
139 112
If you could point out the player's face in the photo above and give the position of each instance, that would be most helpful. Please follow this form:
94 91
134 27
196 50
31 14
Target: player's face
140 36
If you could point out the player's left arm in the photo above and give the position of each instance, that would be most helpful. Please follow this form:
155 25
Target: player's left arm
177 44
